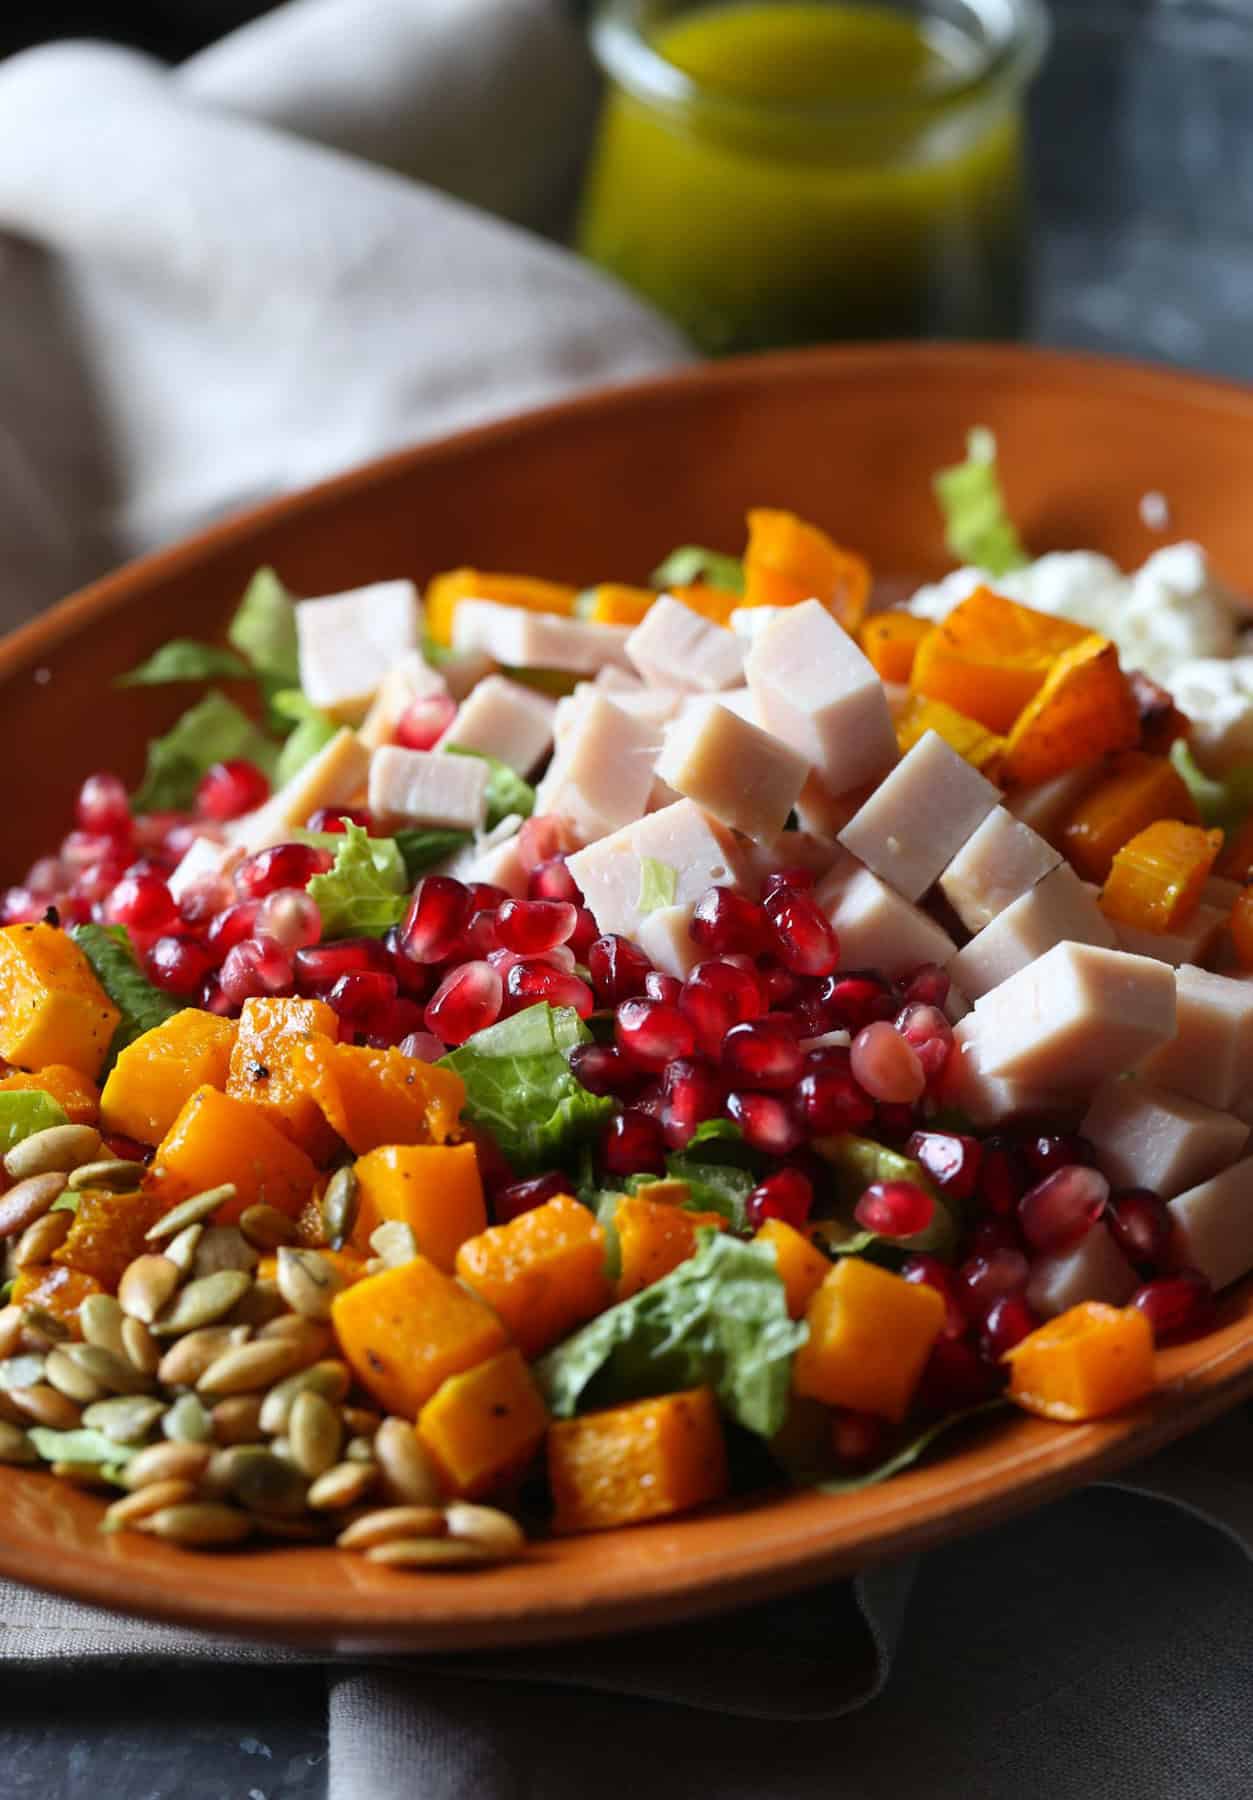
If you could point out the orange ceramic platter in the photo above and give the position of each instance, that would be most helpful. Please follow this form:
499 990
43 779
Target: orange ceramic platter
593 489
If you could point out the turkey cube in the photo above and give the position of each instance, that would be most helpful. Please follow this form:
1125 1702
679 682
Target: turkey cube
824 814
920 815
995 1099
1047 805
655 704
690 846
1095 1269
673 646
736 771
815 689
1214 1225
504 719
665 938
426 787
410 679
1148 1137
495 858
740 701
203 860
1191 942
348 642
602 772
617 681
1074 1016
748 622
794 849
1002 860
463 672
878 928
334 777
536 640
1057 910
1210 1056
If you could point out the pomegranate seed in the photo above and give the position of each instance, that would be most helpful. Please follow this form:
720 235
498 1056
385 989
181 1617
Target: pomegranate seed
851 1002
423 722
931 1035
552 880
178 965
718 995
894 1122
786 1195
479 939
632 1144
212 999
504 960
543 836
290 917
21 907
617 968
1173 1303
951 1160
651 1100
1141 1227
524 1196
995 1231
46 877
1048 1153
360 995
416 981
232 926
981 1280
467 1000
762 1054
1002 1177
584 935
320 966
662 987
437 913
422 1046
532 926
84 849
255 967
485 896
143 903
394 1023
928 986
652 1033
1062 1208
694 1092
779 985
103 806
228 789
603 1070
333 821
724 920
765 1121
929 1271
895 1209
857 1438
1006 1323
805 942
201 902
282 866
954 1378
886 1065
527 983
827 1097
797 879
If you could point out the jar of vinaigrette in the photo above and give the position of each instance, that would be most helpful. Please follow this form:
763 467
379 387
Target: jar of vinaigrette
774 172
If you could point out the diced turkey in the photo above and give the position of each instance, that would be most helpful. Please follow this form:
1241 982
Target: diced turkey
602 771
1210 1057
1047 805
736 771
1095 1269
919 816
348 642
427 787
989 1100
504 719
1057 910
876 926
673 646
698 851
1214 1225
1192 942
1148 1137
203 859
410 679
522 639
334 777
1002 860
665 938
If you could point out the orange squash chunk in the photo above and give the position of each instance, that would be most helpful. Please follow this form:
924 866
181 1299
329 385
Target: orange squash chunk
802 1267
990 657
980 747
444 593
1139 790
654 1236
433 1188
373 1097
788 561
58 1291
870 1333
890 641
1156 881
52 1008
406 1330
261 1068
614 604
637 1462
1087 1362
154 1077
714 604
78 1098
484 1426
216 1138
543 1272
1083 709
108 1233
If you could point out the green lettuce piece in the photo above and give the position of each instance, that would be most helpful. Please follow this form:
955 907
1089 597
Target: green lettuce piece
23 1112
716 1187
184 659
143 1007
214 730
977 527
312 734
692 562
858 1162
519 1086
720 1319
908 1452
264 629
366 890
659 883
507 794
1224 802
421 849
82 1446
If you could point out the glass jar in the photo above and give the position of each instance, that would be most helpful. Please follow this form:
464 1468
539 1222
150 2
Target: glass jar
774 172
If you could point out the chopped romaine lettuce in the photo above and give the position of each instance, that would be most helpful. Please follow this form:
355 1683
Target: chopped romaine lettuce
507 794
313 731
183 659
109 951
659 883
692 562
421 848
366 890
977 527
23 1112
1222 802
264 629
214 730
720 1319
715 1187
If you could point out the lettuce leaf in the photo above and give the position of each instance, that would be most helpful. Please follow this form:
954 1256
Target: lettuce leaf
507 793
1222 802
720 1319
659 883
421 848
858 1162
143 1007
366 890
23 1112
519 1086
214 730
264 629
977 527
692 562
184 659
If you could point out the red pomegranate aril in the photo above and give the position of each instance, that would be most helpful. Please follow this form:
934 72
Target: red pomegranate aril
291 917
468 999
887 1065
1006 1323
47 877
423 722
485 896
662 987
212 999
281 866
524 1196
255 967
796 879
422 1046
232 926
827 1098
804 939
787 1195
931 1035
1002 1176
724 920
981 1280
479 939
894 1209
103 806
762 1054
603 1070
929 1271
504 960
955 1378
765 1121
530 982
651 1100
21 907
178 965
1141 1227
718 995
928 986
694 1091
780 986
951 1159
437 914
894 1122
1174 1303
334 820
228 789
543 836
584 935
651 1033
394 1023
201 901
1049 1152
1062 1208
857 999
994 1231
321 965
143 903
552 880
532 926
617 967
857 1438
632 1144
360 995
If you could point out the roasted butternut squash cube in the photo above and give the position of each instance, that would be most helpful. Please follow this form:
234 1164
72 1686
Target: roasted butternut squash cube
543 1272
654 1236
444 593
373 1097
614 604
433 1188
802 1267
58 1291
714 604
981 748
484 1426
1139 790
990 657
1156 879
890 641
108 1233
870 1334
1084 708
405 1331
788 561
78 1098
153 1078
52 1008
216 1138
636 1462
1087 1362
261 1068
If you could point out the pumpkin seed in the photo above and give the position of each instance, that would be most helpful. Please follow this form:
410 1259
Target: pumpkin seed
187 1422
83 1474
430 1553
200 1523
21 1371
186 1361
101 1319
193 1211
359 1449
57 1150
201 1302
68 1379
329 1378
237 1420
338 1207
114 1373
315 1432
27 1201
10 1330
115 1174
146 1500
307 1282
146 1286
167 1462
181 1249
15 1446
341 1486
485 1526
300 1527
281 1446
258 1306
409 1475
126 1419
46 1406
266 1227
41 1328
386 1523
361 1421
264 1481
139 1347
317 1339
249 1367
222 1247
394 1243
39 1240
